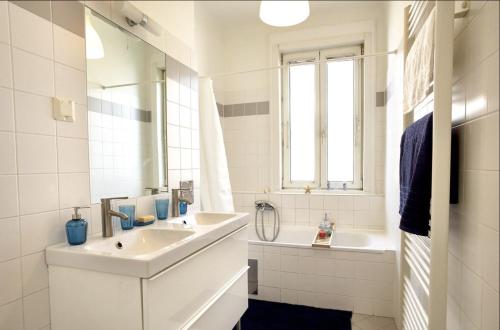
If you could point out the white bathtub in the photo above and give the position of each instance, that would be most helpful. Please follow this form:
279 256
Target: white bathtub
374 241
356 273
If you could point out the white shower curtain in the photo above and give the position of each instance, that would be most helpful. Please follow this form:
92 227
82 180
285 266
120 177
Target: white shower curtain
215 186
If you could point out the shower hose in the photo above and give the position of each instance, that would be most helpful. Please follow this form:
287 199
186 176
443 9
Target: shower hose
261 207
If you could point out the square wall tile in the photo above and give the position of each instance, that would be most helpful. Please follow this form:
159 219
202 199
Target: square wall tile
5 66
6 109
11 315
10 239
476 92
33 73
78 128
345 203
38 193
73 155
8 151
34 114
36 154
70 84
4 25
69 48
10 281
23 23
493 85
35 273
489 247
471 296
40 230
74 190
8 196
37 310
316 202
490 309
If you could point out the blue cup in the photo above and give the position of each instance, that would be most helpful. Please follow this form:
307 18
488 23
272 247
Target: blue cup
161 206
129 210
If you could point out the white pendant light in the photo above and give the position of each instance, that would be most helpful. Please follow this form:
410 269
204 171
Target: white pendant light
94 49
283 13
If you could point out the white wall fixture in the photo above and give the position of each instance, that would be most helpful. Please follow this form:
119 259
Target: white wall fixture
63 110
283 13
135 17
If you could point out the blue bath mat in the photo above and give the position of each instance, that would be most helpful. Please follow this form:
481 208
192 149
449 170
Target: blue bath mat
264 315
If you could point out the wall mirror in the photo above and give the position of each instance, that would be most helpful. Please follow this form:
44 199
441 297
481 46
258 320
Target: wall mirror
127 111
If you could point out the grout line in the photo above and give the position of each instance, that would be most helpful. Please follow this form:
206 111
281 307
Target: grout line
17 158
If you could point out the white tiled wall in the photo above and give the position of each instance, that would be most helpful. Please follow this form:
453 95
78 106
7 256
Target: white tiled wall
473 290
347 211
248 148
355 281
247 141
183 127
120 152
44 167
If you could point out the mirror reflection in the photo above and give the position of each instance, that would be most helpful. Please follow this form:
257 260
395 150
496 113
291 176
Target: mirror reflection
126 91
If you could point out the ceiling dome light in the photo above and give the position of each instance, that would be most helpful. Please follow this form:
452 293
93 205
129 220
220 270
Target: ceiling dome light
283 13
94 49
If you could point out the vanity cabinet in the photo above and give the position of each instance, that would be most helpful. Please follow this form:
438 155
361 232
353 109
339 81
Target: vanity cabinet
206 290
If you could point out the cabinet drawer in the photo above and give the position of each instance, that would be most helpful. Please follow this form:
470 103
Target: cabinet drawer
174 296
224 312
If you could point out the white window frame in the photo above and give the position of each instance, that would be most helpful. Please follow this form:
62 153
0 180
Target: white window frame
321 122
297 58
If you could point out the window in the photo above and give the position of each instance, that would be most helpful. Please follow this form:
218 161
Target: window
322 119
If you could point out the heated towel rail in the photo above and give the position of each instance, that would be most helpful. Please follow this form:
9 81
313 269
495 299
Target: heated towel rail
424 260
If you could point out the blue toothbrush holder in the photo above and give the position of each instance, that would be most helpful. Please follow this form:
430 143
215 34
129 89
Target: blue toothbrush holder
161 206
129 210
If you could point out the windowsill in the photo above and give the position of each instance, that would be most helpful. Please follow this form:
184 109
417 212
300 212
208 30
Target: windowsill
314 192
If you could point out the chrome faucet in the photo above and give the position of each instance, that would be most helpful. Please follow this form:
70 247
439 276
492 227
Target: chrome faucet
183 194
107 213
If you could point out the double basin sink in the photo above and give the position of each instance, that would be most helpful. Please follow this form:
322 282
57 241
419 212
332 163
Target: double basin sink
145 251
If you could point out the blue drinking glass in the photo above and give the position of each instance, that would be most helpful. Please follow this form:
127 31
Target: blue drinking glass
129 210
161 208
183 208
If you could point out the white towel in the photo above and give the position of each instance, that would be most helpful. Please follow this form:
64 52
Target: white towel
216 192
419 66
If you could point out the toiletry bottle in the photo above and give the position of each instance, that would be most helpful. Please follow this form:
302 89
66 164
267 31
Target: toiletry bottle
76 228
325 225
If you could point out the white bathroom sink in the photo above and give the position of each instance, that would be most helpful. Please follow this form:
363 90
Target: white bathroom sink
208 218
145 251
140 242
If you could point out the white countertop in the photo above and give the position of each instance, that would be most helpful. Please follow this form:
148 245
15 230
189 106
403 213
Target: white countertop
99 254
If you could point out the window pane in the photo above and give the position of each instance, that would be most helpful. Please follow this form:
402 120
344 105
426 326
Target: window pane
340 98
302 116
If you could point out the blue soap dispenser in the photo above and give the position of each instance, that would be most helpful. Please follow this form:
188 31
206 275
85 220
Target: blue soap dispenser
76 228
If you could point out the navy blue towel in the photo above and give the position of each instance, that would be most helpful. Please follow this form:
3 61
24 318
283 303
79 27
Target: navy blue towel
415 176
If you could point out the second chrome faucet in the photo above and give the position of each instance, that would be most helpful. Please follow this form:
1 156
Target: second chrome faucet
107 215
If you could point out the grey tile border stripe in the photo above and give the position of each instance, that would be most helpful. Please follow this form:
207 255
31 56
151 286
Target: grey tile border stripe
243 109
118 110
69 15
263 108
238 110
39 8
250 109
380 99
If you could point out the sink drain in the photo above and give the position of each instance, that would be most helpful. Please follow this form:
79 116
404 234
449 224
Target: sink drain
119 245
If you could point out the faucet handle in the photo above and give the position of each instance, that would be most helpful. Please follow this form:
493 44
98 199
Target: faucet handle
103 200
186 185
